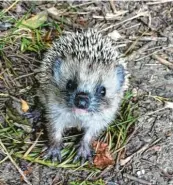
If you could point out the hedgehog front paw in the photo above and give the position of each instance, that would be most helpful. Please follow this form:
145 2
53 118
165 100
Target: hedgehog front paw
53 152
84 153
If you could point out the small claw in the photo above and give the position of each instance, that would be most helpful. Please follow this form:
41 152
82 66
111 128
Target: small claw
35 115
46 155
44 149
83 160
53 153
56 155
84 153
90 160
76 158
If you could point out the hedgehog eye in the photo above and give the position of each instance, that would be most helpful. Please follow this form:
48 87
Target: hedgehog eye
71 85
101 91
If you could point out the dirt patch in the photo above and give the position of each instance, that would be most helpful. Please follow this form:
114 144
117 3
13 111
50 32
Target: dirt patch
146 30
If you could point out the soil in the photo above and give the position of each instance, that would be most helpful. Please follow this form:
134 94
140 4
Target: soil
151 144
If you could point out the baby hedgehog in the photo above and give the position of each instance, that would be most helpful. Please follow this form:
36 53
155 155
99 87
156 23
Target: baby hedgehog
82 82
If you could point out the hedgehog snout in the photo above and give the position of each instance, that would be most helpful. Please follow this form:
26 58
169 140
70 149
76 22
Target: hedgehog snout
82 100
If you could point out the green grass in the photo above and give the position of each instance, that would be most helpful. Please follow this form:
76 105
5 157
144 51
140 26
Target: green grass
98 182
30 40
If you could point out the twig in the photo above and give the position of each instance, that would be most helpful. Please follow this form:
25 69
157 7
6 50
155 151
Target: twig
136 54
125 20
127 28
147 38
127 159
153 52
104 171
56 15
4 95
153 143
6 10
132 134
162 171
33 145
23 76
134 43
113 6
83 4
14 163
3 71
141 150
131 177
25 58
158 2
163 61
110 16
158 110
154 48
74 13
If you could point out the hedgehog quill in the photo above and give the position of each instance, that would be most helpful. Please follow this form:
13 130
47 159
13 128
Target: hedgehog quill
82 82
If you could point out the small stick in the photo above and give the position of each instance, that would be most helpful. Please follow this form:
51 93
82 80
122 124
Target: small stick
23 76
137 53
4 95
163 48
127 159
113 6
79 5
14 163
54 16
33 145
147 38
158 2
163 61
127 28
104 171
134 43
131 177
110 16
6 10
125 20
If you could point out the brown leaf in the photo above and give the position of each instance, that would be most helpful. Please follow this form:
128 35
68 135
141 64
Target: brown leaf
26 172
103 157
51 35
25 106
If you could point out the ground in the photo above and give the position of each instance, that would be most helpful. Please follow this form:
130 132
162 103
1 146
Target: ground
144 31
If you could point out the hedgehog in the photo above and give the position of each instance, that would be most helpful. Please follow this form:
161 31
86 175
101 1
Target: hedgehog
82 81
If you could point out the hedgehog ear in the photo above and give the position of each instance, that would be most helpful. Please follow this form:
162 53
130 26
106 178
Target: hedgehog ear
56 66
120 76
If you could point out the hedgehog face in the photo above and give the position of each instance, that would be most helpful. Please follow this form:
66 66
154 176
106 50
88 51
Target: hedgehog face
87 87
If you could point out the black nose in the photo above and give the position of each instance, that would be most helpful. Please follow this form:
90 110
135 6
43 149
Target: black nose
81 101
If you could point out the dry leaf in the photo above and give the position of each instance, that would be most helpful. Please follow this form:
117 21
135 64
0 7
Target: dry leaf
51 35
115 35
35 21
54 12
26 172
47 37
169 104
103 157
126 160
25 106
